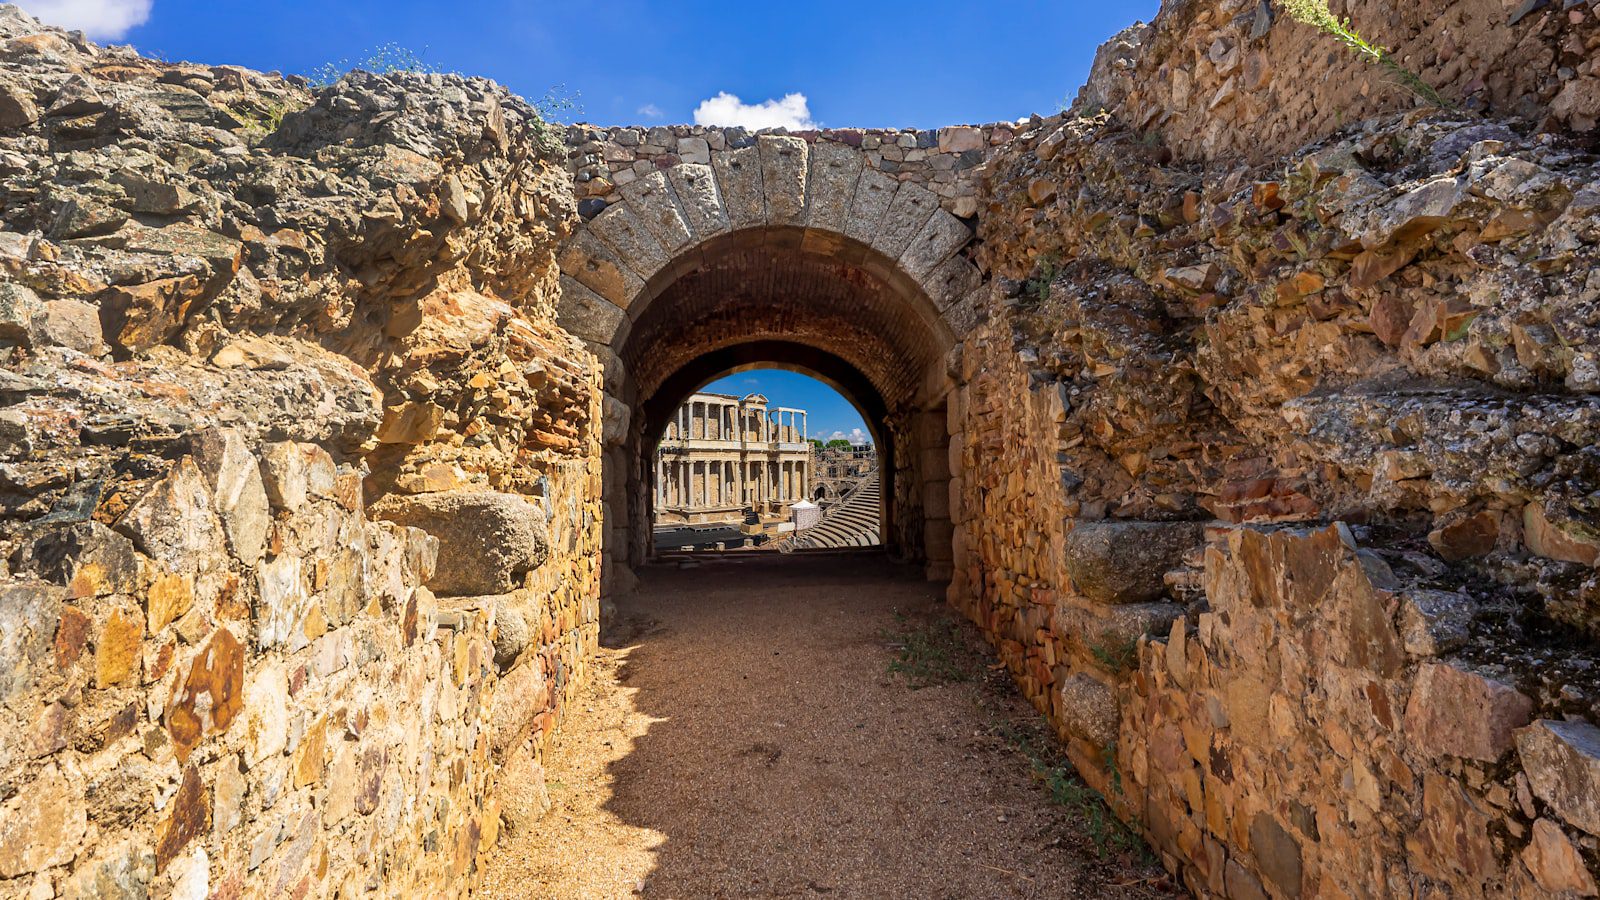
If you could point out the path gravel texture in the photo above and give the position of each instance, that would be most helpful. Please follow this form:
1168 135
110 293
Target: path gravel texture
745 736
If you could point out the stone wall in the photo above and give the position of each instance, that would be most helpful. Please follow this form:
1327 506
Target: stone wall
1271 488
299 479
1223 78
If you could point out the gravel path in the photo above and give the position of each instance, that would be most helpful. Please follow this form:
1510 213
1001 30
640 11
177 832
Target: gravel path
745 737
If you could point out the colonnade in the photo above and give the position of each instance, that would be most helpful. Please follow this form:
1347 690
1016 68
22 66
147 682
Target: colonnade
722 453
737 421
716 483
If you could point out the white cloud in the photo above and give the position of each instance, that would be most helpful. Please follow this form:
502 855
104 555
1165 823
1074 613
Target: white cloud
99 19
727 110
856 436
651 111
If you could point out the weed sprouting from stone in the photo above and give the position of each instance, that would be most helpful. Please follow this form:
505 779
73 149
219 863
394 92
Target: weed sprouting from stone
556 106
383 59
1108 834
552 110
263 120
1037 288
1115 654
1317 14
929 654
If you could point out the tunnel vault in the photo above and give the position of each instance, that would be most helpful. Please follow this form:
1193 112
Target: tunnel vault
788 251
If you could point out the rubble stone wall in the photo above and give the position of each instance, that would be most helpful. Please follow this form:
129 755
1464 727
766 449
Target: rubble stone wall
299 478
1241 78
1273 488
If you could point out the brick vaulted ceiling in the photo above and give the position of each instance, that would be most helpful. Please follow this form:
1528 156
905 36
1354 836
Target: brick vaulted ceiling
776 286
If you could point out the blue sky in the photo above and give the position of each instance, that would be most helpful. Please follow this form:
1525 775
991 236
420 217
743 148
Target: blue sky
887 64
827 413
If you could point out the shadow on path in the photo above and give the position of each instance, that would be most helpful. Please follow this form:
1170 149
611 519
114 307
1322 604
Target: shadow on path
753 743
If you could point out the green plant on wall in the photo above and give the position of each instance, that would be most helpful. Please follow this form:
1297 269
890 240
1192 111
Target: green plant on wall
1037 288
1116 655
1317 14
382 60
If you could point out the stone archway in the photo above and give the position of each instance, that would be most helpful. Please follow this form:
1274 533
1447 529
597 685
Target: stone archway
656 411
797 250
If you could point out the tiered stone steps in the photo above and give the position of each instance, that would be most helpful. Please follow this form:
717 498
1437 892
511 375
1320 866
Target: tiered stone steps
855 522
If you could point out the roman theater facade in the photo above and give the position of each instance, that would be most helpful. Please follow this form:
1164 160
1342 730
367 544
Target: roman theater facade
723 457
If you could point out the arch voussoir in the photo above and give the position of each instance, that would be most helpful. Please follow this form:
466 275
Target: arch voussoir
833 172
910 209
695 185
588 261
784 163
940 237
587 314
621 229
739 182
874 192
655 203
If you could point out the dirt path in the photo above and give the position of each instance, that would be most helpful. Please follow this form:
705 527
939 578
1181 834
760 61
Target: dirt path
745 737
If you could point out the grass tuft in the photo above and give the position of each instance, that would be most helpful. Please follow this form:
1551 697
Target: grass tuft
929 654
1109 834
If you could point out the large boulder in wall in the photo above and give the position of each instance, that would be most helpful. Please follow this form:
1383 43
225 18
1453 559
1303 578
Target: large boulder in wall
1127 562
487 539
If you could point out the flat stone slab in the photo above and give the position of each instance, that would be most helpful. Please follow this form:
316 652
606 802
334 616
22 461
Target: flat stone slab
486 539
1562 760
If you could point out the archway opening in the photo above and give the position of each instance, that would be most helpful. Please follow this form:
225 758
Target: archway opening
790 298
752 460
